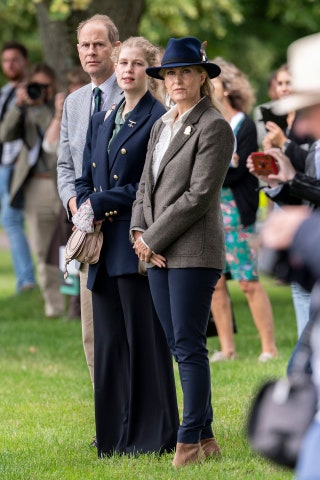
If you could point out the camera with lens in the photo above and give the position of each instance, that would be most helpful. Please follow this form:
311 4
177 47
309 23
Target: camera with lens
35 89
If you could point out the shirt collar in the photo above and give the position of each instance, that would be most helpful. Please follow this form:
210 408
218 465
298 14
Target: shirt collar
106 85
169 117
236 119
119 120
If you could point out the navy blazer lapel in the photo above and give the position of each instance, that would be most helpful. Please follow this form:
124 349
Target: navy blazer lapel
106 128
184 134
115 96
104 134
137 118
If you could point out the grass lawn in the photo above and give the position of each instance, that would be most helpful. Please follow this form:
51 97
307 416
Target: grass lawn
46 399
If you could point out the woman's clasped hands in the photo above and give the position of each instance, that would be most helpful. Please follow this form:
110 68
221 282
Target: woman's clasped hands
145 254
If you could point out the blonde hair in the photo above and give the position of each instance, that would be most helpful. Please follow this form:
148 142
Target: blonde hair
207 90
113 33
151 54
240 92
150 51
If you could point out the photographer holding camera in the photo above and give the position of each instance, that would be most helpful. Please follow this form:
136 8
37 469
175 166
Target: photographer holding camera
14 64
34 175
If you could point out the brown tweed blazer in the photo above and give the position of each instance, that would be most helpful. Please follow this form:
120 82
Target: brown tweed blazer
180 214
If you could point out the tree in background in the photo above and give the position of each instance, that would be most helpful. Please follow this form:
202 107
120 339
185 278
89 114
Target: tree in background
48 27
254 35
58 21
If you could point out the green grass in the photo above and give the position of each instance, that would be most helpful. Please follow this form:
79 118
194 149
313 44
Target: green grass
46 399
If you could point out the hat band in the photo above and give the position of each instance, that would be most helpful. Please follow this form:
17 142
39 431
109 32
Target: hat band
181 60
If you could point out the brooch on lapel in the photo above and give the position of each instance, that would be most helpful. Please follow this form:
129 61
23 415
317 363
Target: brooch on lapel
187 130
131 123
108 112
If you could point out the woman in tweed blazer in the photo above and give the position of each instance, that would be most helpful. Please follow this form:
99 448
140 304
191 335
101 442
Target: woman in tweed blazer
177 227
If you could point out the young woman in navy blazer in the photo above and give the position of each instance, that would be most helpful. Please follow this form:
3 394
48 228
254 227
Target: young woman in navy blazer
135 402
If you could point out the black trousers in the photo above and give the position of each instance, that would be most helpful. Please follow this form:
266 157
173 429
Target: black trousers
135 400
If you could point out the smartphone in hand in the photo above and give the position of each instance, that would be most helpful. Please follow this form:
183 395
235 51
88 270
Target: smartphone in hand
264 163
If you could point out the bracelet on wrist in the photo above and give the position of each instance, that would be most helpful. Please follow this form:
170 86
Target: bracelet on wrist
285 146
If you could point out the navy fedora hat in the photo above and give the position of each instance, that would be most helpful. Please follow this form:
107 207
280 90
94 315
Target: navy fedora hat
184 52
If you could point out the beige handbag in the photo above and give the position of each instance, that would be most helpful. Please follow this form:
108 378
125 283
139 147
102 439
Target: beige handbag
84 247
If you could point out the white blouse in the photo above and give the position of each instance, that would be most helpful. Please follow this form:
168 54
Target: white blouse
171 128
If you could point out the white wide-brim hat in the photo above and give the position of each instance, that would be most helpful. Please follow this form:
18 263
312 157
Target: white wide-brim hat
304 67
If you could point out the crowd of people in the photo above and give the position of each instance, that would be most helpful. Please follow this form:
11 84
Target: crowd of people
293 230
155 145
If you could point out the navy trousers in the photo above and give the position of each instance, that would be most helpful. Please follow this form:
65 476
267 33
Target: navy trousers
182 299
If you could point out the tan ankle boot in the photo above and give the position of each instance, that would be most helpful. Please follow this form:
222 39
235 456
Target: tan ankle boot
187 453
210 448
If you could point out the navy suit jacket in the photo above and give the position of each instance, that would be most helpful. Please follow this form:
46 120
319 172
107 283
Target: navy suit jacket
111 179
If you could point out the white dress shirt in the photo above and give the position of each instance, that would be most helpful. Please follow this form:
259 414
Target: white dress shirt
172 126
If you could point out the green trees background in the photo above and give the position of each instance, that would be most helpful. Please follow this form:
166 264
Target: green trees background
253 34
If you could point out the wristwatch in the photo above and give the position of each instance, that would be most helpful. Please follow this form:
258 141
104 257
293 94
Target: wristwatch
285 146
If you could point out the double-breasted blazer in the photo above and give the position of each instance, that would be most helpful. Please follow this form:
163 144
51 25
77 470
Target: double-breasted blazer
74 125
180 212
111 179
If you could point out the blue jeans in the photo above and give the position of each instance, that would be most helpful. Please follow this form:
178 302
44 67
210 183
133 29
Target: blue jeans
182 299
308 466
301 302
301 355
12 220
